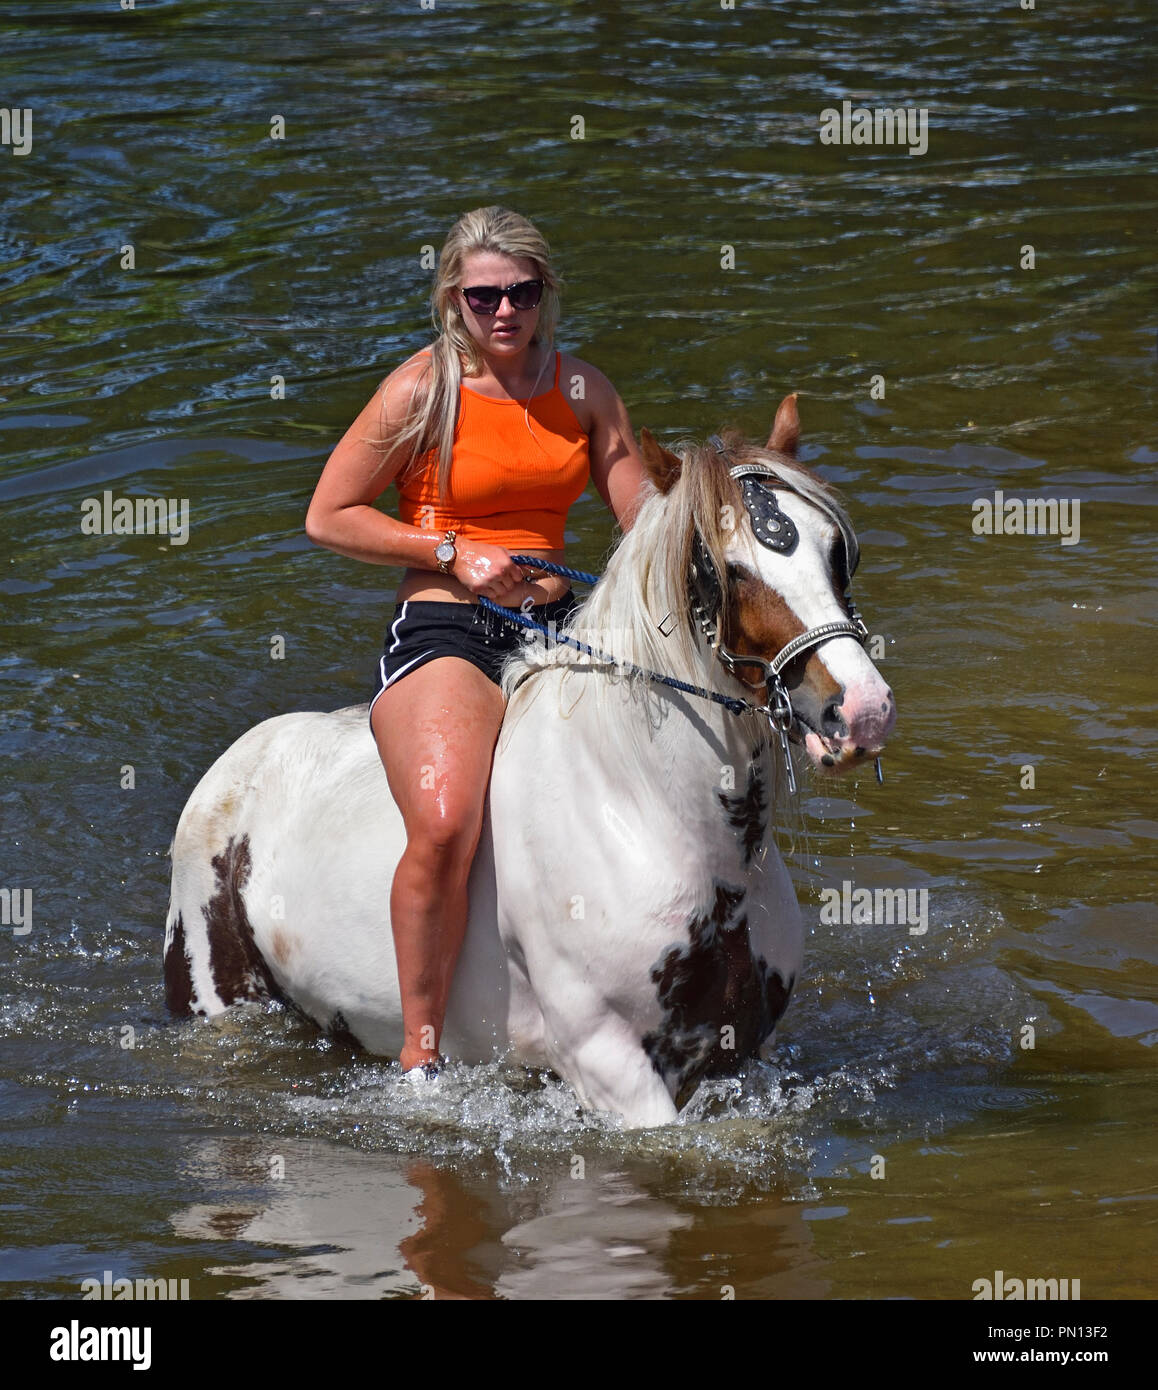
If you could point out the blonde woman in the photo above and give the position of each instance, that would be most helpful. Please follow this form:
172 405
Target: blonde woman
490 444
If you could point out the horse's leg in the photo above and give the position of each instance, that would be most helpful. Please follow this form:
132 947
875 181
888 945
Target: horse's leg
436 730
600 1053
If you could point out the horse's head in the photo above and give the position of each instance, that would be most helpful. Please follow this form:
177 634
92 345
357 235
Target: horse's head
770 556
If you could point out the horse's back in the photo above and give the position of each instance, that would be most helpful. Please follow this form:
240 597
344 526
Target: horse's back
260 864
283 861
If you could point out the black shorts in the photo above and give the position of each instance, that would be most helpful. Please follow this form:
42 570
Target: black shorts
423 629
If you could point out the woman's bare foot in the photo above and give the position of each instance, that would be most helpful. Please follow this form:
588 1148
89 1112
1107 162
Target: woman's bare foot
411 1057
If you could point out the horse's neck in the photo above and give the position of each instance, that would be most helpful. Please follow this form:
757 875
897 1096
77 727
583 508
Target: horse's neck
702 743
681 751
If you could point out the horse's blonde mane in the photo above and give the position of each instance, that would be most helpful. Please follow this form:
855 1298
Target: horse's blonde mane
640 612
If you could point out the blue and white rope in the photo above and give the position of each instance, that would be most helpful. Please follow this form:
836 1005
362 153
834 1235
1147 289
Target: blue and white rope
520 619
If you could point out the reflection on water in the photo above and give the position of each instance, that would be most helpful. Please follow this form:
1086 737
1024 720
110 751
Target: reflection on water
903 1140
372 1226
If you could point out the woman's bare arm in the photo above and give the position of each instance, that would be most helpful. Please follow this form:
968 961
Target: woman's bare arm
341 515
617 470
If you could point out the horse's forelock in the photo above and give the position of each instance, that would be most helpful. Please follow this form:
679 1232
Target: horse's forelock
706 496
709 495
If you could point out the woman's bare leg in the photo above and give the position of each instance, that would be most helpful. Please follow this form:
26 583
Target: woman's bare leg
436 730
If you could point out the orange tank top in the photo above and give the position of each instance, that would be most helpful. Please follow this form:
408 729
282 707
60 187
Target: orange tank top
509 484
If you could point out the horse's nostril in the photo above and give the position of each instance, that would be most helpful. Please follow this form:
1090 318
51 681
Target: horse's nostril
831 720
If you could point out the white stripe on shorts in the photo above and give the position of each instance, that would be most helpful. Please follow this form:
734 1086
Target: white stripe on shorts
402 669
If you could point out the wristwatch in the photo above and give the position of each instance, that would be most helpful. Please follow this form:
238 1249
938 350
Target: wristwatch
445 553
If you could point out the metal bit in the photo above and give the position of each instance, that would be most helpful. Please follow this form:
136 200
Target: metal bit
787 751
780 717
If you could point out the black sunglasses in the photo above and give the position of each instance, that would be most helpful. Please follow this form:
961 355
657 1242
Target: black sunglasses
485 299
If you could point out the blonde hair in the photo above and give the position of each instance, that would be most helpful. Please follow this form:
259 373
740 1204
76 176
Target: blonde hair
432 417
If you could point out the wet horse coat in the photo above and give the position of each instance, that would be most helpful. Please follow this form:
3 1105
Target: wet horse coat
632 925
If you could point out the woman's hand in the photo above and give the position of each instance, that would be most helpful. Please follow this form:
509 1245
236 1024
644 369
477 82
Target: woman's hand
488 571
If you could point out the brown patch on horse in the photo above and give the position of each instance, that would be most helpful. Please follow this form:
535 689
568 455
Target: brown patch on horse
340 1031
238 967
282 946
747 810
758 622
711 984
178 972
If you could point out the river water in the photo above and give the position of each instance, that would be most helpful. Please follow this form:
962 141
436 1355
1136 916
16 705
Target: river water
978 1097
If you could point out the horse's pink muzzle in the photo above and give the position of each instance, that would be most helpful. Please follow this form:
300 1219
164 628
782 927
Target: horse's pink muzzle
855 729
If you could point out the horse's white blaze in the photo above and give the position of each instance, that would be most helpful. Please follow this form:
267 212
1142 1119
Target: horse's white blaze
804 580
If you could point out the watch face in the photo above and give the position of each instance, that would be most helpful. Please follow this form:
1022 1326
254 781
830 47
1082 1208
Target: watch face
445 552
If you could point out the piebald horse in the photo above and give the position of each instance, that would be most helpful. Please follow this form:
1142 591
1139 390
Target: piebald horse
632 925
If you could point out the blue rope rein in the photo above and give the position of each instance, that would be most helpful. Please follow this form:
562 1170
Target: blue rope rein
520 619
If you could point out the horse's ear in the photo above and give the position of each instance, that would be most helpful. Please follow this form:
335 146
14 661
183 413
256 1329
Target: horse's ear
663 466
786 431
